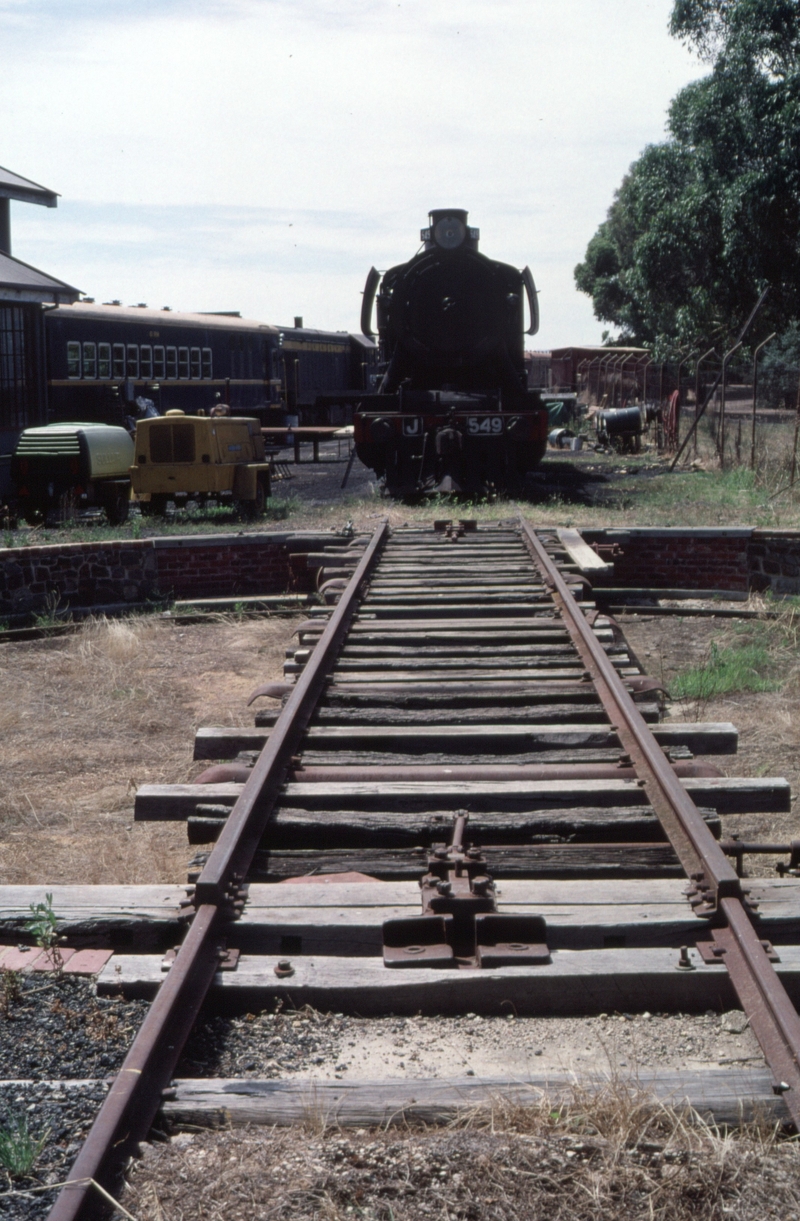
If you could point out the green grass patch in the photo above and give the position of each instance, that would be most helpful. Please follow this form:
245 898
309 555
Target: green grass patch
19 1148
732 668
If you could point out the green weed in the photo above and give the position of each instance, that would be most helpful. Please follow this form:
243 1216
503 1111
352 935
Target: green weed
19 1148
745 667
49 616
43 927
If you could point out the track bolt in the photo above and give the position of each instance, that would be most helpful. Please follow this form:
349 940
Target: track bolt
284 968
781 1087
684 962
481 885
444 888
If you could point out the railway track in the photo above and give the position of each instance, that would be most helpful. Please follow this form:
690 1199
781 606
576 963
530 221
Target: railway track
475 753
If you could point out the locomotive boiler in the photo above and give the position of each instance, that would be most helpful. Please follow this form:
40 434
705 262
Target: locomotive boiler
453 412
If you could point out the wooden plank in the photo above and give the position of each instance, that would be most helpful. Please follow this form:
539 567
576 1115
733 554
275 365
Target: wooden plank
98 915
574 982
583 555
728 1096
435 674
726 795
521 861
225 741
502 764
387 669
460 650
703 738
779 894
358 931
294 827
526 622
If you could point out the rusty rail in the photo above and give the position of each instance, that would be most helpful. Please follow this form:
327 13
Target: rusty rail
125 1117
716 890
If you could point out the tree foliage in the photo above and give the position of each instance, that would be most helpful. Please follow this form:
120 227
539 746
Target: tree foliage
702 222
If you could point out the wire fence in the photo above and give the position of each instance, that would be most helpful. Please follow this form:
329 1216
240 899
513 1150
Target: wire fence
750 420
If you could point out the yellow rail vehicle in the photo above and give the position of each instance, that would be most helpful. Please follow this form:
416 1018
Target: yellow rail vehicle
180 458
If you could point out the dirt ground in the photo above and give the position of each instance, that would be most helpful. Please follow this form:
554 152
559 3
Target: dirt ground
87 718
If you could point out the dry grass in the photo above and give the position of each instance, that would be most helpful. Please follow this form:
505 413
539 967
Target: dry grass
605 1157
88 718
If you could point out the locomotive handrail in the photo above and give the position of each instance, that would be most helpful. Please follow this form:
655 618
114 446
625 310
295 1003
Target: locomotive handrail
533 300
370 288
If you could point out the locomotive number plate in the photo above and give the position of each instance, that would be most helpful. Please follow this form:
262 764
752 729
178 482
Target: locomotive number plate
486 424
412 426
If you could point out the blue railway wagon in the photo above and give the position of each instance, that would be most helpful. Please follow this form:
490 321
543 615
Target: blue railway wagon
319 363
101 358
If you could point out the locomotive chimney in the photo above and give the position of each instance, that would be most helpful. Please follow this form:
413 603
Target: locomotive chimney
298 322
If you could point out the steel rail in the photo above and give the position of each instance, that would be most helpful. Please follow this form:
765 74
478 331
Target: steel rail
128 1110
719 893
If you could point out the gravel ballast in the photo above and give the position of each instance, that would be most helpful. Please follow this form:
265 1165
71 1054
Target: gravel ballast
59 1043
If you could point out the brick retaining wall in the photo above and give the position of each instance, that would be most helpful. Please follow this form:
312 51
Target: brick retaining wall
83 576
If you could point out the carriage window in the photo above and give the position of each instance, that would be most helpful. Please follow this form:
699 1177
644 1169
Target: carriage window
133 360
195 362
119 360
73 360
104 360
172 362
207 369
90 360
183 362
159 364
146 361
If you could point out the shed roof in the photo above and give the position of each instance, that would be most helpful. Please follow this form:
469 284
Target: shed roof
13 186
21 282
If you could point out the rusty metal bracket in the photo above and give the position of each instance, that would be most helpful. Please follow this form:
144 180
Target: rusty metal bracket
274 691
460 925
714 951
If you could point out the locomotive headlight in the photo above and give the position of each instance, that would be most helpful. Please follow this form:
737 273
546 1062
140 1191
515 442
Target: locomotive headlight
449 232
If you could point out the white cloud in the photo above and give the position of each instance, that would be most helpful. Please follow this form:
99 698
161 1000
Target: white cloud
187 137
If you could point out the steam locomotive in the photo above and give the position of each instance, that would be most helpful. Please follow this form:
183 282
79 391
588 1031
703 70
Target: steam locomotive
453 412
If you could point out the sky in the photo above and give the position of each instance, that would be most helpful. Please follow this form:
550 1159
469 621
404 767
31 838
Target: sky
261 155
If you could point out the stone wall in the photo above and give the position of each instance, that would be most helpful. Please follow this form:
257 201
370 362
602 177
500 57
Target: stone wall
113 575
774 561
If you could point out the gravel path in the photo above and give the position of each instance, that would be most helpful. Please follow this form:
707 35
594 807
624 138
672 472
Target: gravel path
330 1046
58 1044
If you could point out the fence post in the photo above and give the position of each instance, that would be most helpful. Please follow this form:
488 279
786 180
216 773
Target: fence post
756 355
